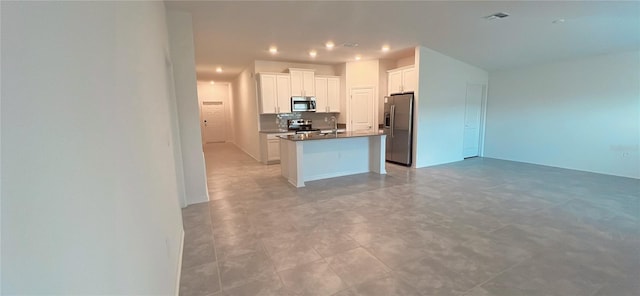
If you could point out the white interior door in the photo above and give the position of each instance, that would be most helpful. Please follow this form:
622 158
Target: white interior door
472 120
213 122
361 109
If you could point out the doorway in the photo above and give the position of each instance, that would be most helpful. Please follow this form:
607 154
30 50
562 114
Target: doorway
472 120
213 127
362 109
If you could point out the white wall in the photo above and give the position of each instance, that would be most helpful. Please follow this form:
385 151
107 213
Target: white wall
283 67
362 74
184 73
1 194
405 61
440 105
89 189
581 114
245 113
218 92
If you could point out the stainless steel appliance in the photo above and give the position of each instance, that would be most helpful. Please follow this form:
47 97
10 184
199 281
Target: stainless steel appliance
398 126
302 126
303 104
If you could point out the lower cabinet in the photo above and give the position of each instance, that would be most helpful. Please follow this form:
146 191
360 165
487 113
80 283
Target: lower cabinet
273 150
270 147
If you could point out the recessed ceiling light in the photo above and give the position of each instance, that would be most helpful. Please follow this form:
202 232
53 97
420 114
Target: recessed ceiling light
559 21
219 69
385 48
358 57
329 45
211 82
273 50
313 53
496 16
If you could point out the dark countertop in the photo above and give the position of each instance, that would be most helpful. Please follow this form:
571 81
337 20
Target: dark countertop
309 137
280 131
275 131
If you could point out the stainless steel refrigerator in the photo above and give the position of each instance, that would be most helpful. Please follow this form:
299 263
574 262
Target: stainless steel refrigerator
398 126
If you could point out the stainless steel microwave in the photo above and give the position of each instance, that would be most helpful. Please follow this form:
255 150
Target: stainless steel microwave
303 104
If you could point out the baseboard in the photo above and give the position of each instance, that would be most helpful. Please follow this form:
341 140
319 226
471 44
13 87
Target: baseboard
247 153
567 168
180 262
334 175
201 199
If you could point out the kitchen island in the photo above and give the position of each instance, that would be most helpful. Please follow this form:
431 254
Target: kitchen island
321 156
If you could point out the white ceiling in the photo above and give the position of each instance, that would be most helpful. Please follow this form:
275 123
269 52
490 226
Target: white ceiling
232 34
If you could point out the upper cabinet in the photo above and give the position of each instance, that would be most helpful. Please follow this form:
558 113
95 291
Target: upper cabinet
402 80
327 94
274 93
302 82
395 81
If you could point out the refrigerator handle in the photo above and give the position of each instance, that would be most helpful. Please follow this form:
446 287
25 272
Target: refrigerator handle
393 119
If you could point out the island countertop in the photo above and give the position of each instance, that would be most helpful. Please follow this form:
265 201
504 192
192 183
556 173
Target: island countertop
275 131
309 158
327 136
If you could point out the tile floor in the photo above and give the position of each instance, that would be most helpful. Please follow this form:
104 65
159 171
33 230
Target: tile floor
475 227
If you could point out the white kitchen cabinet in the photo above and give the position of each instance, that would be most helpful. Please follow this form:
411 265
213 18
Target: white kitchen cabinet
333 94
274 93
409 80
402 80
321 94
273 150
395 82
327 94
283 84
302 82
270 147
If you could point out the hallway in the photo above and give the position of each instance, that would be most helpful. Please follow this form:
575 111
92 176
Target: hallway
476 227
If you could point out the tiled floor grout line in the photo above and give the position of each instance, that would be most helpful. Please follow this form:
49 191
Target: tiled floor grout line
337 274
215 251
496 275
273 264
462 229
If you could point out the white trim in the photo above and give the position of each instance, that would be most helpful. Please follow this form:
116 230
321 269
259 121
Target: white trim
333 175
245 151
179 273
200 199
483 118
374 117
402 68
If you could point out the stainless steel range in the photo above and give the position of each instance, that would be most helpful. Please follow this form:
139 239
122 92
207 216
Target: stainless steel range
302 126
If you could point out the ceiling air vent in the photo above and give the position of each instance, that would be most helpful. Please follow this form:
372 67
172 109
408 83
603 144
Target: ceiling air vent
496 16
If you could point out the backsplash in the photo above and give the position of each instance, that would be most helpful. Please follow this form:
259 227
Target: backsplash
279 121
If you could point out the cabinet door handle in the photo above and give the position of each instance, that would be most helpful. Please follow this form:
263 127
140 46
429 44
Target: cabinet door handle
275 109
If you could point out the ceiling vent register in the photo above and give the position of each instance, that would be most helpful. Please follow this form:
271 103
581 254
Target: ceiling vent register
496 16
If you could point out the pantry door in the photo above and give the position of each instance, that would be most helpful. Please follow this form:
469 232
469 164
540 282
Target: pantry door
213 122
472 120
361 109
